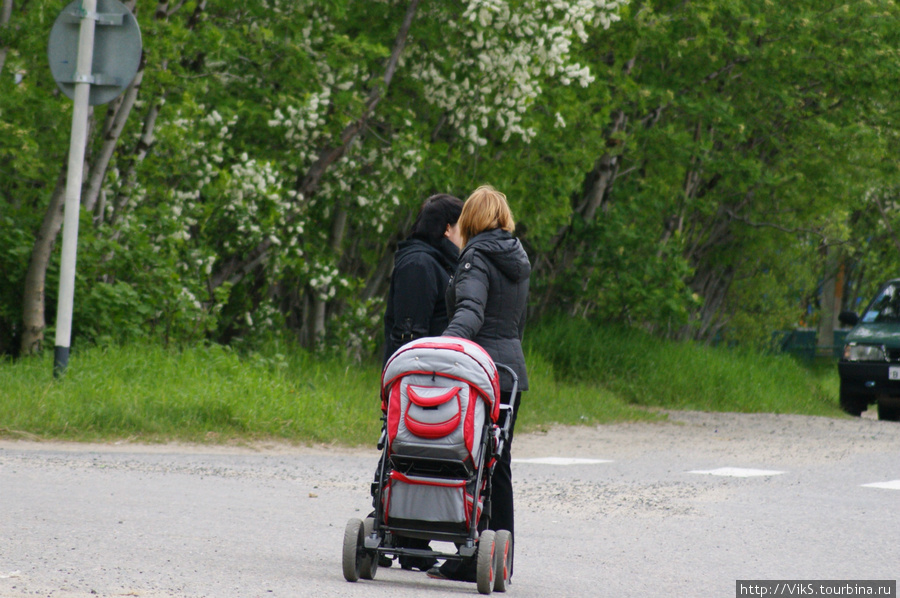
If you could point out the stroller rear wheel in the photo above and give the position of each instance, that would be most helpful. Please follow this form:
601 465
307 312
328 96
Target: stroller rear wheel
484 571
368 564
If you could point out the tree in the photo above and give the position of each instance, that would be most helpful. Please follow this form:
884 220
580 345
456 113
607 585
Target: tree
731 160
681 170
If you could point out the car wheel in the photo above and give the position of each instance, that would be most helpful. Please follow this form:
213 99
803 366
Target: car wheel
889 409
852 404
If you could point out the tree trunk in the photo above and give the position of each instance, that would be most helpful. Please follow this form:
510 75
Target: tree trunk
5 16
830 302
604 174
338 229
117 119
713 286
120 202
33 322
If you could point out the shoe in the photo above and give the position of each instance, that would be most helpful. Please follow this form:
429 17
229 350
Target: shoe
435 573
385 561
453 571
408 563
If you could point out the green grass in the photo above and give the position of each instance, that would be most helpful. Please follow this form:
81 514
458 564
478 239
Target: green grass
643 370
553 399
579 374
198 394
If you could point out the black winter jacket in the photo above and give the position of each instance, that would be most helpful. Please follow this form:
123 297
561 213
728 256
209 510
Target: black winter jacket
415 305
487 297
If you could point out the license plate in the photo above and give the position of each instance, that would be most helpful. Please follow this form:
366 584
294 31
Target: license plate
894 372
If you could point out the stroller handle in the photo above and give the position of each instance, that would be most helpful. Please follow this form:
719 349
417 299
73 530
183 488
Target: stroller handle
511 408
515 377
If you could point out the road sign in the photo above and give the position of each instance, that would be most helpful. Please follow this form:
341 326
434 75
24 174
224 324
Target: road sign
94 52
117 50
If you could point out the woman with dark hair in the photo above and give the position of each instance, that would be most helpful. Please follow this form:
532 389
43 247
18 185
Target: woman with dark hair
415 305
486 300
423 265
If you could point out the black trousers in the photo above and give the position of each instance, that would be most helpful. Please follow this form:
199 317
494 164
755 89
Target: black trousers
502 511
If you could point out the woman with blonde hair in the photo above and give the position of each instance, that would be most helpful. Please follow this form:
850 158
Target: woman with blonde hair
486 301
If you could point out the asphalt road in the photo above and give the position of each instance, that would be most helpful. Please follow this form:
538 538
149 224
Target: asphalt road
678 509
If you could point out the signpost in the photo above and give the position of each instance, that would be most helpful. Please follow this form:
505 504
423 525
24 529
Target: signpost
94 52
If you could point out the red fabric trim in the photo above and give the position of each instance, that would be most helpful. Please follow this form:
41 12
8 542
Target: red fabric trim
442 345
431 431
470 500
387 501
396 475
469 427
393 419
495 379
434 401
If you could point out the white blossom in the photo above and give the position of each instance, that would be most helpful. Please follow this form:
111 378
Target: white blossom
514 45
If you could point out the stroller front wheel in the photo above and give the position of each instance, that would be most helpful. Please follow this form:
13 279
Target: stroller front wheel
354 542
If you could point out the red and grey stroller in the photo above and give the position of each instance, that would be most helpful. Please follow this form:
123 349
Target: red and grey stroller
440 440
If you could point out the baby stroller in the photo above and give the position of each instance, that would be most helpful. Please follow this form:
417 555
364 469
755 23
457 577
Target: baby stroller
440 440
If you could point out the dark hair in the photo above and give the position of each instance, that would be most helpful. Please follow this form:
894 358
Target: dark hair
436 213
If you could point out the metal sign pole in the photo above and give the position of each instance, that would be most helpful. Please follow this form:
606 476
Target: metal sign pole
73 186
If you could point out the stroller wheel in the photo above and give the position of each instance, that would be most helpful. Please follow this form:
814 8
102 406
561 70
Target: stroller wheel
484 572
354 538
368 563
503 554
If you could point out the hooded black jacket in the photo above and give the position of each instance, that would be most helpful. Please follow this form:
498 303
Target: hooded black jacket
415 305
487 297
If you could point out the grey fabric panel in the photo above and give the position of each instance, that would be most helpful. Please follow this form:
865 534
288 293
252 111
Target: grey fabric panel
424 502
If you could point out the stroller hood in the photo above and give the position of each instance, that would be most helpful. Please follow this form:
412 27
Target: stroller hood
448 357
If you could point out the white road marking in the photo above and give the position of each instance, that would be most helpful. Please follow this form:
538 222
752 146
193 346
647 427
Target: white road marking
737 472
561 461
894 485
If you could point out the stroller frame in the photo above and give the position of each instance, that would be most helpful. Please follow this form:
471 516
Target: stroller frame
366 541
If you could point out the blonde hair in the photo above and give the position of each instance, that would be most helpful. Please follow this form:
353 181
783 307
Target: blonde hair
485 209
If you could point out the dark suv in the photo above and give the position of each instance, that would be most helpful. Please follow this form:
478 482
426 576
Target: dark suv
870 365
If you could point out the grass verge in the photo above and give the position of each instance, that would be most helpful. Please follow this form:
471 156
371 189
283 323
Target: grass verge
578 375
644 370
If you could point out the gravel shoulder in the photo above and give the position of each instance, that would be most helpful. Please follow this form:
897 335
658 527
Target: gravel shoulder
752 436
761 436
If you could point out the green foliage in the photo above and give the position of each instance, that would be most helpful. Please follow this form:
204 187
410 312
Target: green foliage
741 138
15 248
737 161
